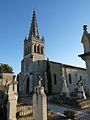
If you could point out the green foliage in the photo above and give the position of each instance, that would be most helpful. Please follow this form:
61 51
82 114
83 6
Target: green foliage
49 78
5 68
3 105
3 97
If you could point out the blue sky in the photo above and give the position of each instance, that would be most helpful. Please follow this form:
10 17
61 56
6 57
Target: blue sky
60 21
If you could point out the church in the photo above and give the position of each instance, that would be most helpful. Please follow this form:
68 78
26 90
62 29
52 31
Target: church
57 78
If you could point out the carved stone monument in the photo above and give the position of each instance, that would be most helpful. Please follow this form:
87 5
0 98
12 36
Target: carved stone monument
65 89
39 103
86 55
81 92
12 101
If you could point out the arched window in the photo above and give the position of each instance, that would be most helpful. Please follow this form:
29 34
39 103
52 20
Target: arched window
38 49
55 79
27 86
42 50
35 49
80 77
70 79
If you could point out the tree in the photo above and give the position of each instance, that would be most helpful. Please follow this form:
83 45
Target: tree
5 68
49 78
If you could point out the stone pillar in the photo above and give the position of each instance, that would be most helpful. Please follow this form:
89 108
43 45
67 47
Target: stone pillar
81 92
86 56
12 103
15 86
65 87
39 103
88 72
35 105
81 95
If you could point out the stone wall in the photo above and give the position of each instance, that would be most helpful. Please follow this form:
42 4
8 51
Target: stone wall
6 77
76 74
39 67
56 70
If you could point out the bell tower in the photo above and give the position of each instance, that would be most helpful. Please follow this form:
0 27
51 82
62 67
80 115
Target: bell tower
33 45
33 54
86 56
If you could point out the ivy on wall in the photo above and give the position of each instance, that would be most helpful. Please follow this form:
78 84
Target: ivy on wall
49 78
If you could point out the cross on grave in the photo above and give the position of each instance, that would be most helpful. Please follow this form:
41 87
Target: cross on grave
40 79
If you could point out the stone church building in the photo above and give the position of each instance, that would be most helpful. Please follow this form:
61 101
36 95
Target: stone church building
34 64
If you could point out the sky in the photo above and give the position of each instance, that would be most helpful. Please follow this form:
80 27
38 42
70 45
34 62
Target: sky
59 21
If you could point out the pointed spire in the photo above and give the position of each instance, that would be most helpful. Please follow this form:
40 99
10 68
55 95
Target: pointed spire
34 27
85 33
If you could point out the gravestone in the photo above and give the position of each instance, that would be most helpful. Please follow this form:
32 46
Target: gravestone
12 101
65 88
39 103
81 92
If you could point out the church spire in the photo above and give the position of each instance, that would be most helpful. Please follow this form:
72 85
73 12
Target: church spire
34 27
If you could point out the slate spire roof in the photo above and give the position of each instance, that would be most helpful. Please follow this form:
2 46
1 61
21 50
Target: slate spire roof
34 27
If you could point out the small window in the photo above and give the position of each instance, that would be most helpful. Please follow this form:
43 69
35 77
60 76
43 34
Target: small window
38 49
80 77
35 49
76 77
41 50
55 79
70 81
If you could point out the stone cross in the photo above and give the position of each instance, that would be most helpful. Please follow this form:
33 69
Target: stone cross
81 92
12 103
39 102
40 79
